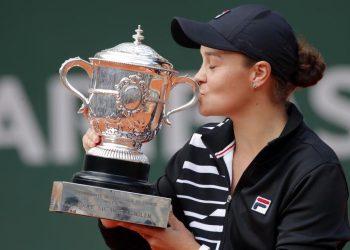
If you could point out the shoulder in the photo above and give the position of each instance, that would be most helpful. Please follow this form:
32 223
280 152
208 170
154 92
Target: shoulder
302 142
309 161
303 157
313 150
313 173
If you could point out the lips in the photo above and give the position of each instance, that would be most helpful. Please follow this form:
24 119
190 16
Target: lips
201 90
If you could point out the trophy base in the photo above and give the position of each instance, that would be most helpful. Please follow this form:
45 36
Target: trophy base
115 174
110 204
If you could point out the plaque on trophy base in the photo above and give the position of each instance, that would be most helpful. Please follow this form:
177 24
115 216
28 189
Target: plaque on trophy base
111 204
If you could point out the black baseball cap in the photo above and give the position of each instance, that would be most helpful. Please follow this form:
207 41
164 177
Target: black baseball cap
253 29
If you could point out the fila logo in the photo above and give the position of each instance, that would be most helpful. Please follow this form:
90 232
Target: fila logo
261 205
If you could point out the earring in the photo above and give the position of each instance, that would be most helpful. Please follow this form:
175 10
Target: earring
253 84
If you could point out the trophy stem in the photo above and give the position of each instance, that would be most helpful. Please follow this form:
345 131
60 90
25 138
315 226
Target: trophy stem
118 151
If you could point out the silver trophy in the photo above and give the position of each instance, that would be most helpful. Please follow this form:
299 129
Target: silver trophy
127 105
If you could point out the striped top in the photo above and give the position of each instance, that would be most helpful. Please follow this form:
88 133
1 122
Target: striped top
203 186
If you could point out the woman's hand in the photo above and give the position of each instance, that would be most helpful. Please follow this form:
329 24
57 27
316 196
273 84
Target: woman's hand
175 237
90 139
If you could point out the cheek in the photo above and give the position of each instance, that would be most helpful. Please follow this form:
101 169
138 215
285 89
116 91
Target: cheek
231 83
229 92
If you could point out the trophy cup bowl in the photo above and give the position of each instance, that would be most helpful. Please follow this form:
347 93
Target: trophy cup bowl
127 105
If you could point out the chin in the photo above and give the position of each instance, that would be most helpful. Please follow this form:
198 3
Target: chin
205 112
211 112
207 109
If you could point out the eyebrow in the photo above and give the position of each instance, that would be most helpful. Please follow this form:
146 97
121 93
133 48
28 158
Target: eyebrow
213 53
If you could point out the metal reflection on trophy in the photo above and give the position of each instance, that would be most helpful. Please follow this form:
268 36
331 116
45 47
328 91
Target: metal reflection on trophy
127 105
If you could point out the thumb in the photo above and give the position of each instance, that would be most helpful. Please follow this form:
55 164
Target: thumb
110 223
173 221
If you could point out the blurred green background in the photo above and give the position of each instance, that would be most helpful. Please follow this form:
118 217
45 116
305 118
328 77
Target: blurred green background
40 132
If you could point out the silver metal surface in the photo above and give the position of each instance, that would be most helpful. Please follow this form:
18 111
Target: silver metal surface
110 204
138 37
128 96
119 151
135 53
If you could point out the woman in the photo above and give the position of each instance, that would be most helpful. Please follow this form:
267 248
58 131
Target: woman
261 179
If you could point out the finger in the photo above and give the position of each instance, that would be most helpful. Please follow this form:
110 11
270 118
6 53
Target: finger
88 142
141 229
173 221
93 136
90 132
85 143
96 139
91 143
110 223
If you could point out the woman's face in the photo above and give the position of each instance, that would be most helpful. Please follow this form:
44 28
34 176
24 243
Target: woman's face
225 83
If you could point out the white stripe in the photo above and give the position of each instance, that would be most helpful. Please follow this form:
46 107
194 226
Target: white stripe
218 213
209 128
203 169
196 140
228 162
195 215
201 201
206 227
217 242
201 185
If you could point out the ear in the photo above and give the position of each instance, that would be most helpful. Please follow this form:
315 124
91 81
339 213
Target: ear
261 72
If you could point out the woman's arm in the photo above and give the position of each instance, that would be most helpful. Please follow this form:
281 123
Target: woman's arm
121 238
175 237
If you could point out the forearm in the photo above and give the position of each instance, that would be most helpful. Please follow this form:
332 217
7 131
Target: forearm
123 239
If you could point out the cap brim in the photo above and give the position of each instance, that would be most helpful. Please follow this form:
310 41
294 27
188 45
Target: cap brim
193 34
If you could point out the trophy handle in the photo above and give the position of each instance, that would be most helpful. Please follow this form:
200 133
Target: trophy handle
66 66
195 89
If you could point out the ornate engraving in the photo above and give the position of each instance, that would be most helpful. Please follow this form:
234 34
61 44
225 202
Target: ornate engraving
132 95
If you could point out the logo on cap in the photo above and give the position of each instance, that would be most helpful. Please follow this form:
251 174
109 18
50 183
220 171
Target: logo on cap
261 205
221 14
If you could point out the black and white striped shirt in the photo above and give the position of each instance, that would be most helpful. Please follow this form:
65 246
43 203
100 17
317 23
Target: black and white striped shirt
203 184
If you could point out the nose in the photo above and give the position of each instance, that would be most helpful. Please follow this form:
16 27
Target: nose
200 77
